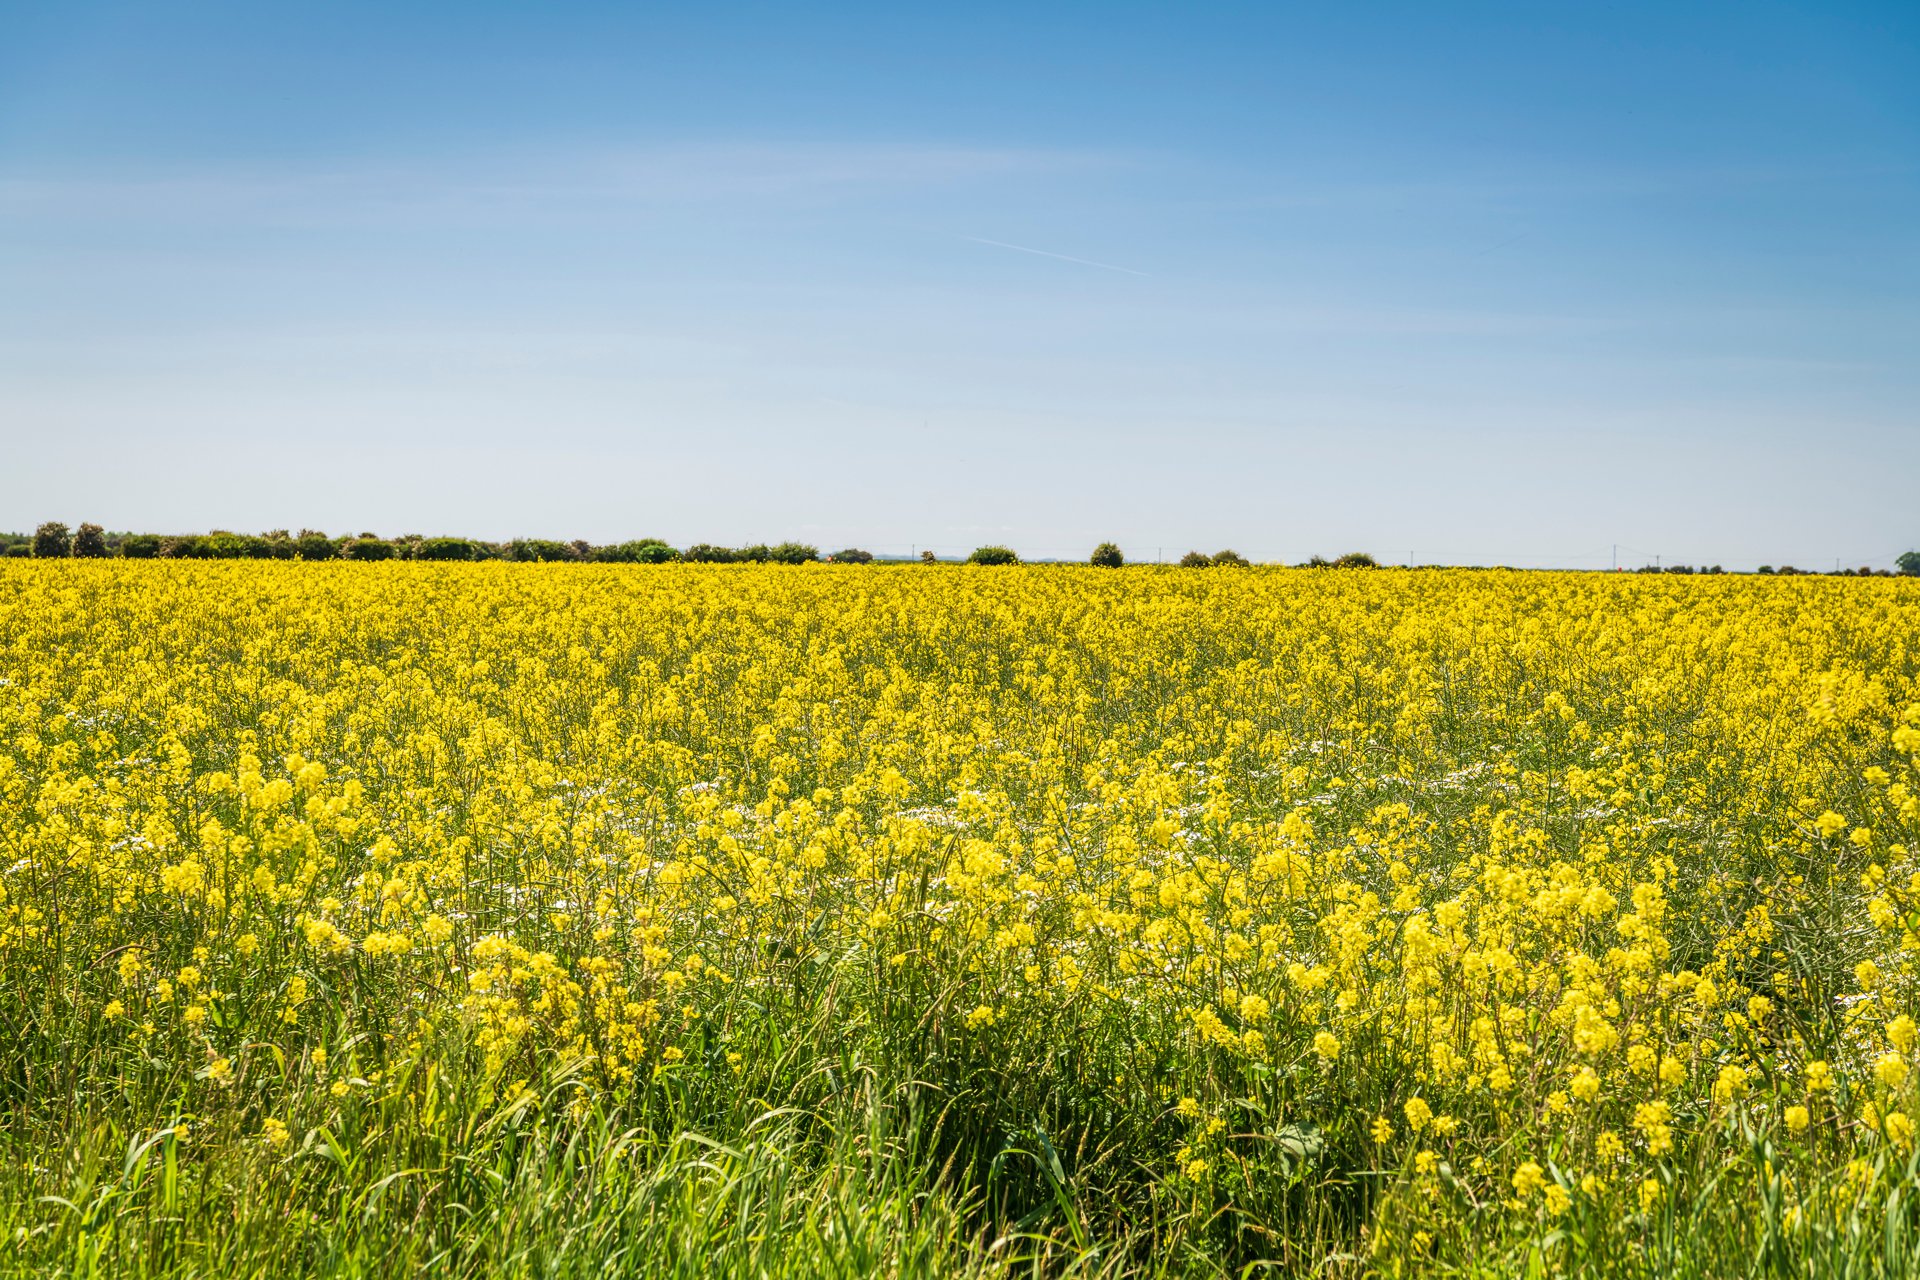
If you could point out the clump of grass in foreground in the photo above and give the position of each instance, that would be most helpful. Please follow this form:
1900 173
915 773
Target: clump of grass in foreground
542 1187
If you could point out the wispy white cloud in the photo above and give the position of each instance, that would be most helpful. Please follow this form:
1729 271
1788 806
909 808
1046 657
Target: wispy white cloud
1536 182
1047 253
679 174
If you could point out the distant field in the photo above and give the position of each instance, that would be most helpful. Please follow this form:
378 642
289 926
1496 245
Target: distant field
589 920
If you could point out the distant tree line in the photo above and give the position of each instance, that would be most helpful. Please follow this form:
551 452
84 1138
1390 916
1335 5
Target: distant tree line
90 541
1679 568
1907 565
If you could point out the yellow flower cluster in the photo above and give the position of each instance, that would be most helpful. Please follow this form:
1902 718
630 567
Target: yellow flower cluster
1576 874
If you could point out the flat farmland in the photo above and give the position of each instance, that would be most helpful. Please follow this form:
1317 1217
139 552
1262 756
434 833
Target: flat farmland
930 920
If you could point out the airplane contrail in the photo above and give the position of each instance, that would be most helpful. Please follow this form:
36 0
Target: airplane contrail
1085 262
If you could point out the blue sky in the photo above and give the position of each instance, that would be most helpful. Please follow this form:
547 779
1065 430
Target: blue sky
1467 283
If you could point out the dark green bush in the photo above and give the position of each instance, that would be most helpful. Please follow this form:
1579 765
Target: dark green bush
186 546
1106 556
655 553
18 550
89 542
224 544
639 551
311 544
538 549
1229 560
793 553
446 549
852 555
707 553
140 546
993 555
1196 560
365 548
1356 560
51 541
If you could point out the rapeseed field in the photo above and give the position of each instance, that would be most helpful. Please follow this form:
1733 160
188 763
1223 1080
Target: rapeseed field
670 920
